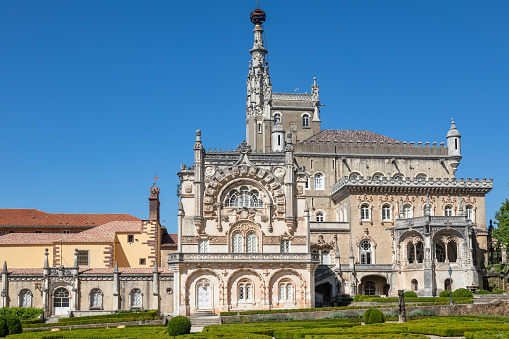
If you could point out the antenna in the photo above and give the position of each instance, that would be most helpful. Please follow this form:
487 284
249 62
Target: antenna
257 5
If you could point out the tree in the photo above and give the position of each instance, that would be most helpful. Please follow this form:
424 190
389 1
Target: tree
501 233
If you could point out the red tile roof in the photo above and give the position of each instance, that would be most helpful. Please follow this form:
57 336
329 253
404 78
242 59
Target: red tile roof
36 218
24 271
348 135
169 240
123 270
104 233
30 238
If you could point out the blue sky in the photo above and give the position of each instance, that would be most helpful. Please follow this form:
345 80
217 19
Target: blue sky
97 95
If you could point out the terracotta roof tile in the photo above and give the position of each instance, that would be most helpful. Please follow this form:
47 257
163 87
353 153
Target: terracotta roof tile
124 270
169 240
34 218
24 270
348 135
104 233
29 238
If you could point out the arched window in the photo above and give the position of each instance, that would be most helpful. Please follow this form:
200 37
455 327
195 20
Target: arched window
440 252
369 288
448 211
378 176
251 242
244 198
318 181
286 290
325 257
366 249
419 252
319 216
96 298
386 212
277 118
245 291
407 211
237 241
136 298
410 253
365 212
415 285
25 298
447 284
305 120
470 213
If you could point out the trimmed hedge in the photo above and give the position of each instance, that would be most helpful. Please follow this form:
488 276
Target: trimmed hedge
373 316
462 292
24 313
444 294
481 292
179 325
410 294
13 324
4 331
498 291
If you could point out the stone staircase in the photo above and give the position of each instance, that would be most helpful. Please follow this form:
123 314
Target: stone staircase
53 319
204 318
491 298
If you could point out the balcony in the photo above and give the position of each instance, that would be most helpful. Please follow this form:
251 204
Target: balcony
329 226
244 257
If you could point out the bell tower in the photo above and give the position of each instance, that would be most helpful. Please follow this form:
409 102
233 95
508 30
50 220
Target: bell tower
259 87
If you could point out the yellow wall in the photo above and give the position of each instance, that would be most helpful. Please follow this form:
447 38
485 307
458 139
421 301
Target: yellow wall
96 254
129 254
25 256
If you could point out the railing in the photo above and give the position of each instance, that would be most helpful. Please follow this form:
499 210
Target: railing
292 96
329 225
373 268
244 257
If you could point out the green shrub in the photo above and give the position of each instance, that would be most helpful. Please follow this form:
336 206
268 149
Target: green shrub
480 292
373 316
498 291
422 313
179 325
31 321
357 297
444 294
13 324
410 294
462 292
3 327
24 313
109 318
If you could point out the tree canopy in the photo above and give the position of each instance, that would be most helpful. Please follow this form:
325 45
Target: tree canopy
501 233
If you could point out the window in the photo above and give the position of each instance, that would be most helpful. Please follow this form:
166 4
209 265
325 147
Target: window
143 261
285 246
306 185
136 298
305 120
203 246
470 213
237 240
440 252
410 253
285 290
25 298
325 257
447 284
318 181
38 231
407 211
369 288
419 252
259 128
365 252
245 291
82 258
130 238
66 232
319 216
244 198
365 215
277 118
96 298
448 212
386 212
415 285
251 242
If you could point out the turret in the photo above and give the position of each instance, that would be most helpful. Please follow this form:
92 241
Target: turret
278 138
453 141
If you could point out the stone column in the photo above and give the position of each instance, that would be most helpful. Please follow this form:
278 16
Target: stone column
5 285
155 287
116 285
428 267
45 284
402 308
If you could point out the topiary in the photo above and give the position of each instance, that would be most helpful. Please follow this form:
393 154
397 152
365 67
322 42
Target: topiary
373 316
444 294
479 292
462 292
357 297
13 324
498 291
179 325
3 327
410 294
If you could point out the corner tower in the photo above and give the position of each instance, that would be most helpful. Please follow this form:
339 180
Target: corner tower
259 87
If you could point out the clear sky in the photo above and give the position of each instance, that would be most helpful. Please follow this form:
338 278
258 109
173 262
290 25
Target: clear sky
97 95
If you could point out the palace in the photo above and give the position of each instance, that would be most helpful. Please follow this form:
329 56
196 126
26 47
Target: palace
294 217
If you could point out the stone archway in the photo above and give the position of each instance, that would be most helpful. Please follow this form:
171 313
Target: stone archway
374 285
323 294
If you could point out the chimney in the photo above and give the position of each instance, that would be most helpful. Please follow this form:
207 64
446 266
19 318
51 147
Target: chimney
154 204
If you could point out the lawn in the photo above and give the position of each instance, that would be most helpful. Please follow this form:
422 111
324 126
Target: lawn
472 327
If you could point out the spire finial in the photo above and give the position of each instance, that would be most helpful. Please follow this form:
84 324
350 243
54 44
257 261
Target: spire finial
4 271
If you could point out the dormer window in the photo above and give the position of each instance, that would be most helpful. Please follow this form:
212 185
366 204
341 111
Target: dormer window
244 197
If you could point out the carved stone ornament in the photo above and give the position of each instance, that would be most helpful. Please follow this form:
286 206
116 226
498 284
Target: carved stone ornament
188 188
264 218
245 213
279 172
210 171
225 218
300 189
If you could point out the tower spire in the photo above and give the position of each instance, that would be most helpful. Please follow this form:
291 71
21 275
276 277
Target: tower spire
259 87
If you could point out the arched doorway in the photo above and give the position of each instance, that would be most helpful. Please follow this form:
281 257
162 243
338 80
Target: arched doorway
323 292
61 301
204 295
374 285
